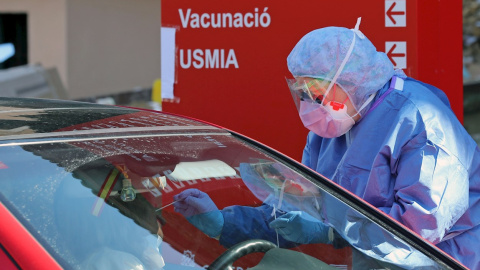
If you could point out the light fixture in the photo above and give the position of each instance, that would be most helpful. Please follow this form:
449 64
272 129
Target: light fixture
128 193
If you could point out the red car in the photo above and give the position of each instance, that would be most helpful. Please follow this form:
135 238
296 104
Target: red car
88 186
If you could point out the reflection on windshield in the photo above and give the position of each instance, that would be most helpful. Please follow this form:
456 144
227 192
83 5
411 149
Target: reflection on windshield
185 171
287 191
74 204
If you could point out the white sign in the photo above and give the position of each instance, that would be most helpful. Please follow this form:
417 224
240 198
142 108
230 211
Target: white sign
395 13
167 61
397 53
185 171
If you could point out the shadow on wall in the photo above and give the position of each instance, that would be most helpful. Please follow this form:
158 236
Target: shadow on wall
471 110
471 67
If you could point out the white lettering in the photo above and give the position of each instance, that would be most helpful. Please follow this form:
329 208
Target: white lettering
225 17
222 59
238 20
189 60
208 59
202 20
198 58
246 21
184 19
231 59
211 60
195 20
191 182
265 16
225 20
217 24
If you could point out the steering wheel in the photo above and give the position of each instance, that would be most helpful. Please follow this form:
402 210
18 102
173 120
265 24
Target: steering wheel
239 250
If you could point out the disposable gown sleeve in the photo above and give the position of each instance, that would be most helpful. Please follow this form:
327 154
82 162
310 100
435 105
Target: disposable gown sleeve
306 155
431 188
311 149
244 223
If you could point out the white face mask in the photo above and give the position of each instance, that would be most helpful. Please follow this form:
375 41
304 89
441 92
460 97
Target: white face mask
325 120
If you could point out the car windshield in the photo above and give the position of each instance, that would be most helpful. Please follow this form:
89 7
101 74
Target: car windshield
107 201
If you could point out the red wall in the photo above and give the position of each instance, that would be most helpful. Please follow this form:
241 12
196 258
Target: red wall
253 98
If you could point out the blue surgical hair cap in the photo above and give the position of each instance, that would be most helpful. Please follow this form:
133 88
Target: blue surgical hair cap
320 53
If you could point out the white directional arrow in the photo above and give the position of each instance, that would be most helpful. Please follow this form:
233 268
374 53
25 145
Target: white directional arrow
395 13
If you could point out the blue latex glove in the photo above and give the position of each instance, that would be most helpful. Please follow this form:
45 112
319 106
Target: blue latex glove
197 207
300 227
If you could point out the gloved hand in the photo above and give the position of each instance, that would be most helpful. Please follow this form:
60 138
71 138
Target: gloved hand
300 227
197 207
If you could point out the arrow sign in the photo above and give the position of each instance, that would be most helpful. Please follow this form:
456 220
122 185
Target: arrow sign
397 53
395 13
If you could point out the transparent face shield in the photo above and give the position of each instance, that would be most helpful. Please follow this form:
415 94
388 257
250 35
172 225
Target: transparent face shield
280 178
318 91
280 187
326 92
266 178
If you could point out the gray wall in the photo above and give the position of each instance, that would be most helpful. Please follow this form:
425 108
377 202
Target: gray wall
46 31
98 46
113 45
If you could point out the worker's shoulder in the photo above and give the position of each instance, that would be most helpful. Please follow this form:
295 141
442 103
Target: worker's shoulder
420 91
418 96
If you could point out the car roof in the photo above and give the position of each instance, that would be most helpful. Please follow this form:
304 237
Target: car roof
29 118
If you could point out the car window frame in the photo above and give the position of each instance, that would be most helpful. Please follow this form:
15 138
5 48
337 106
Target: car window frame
356 203
380 218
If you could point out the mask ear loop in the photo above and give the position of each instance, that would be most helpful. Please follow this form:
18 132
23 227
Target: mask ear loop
333 98
342 65
274 212
357 28
282 190
317 205
356 32
370 98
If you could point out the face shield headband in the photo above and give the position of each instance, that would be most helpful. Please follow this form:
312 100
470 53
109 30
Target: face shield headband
312 91
356 32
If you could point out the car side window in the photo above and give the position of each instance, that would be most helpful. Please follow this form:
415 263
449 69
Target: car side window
112 200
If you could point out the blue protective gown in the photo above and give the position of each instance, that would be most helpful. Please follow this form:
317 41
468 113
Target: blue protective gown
411 158
242 223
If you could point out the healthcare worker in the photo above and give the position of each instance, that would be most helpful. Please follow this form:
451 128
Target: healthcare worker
388 138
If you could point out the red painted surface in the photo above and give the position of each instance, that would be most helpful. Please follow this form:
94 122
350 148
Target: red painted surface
7 262
21 245
254 100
